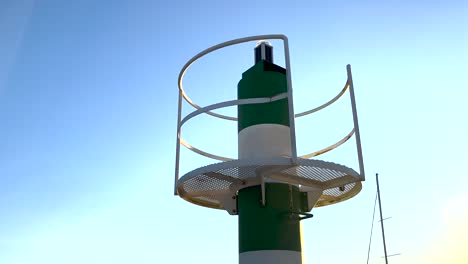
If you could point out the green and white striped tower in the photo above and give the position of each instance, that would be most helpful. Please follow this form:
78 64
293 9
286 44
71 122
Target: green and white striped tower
268 186
267 233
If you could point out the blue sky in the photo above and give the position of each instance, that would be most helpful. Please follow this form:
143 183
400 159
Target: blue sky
88 108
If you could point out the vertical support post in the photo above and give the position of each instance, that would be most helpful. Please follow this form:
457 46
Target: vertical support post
381 218
179 116
292 126
355 119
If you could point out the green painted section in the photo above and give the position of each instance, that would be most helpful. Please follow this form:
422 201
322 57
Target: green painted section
274 226
264 79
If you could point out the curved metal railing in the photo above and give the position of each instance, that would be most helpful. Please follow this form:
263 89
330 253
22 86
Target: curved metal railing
331 147
325 104
209 109
220 46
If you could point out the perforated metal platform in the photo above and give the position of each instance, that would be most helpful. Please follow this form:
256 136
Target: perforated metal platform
217 184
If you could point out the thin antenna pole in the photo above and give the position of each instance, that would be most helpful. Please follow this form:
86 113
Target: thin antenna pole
381 222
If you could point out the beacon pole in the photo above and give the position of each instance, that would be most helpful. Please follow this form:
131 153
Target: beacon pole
267 232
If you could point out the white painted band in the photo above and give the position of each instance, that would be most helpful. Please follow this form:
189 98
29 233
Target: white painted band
264 141
270 257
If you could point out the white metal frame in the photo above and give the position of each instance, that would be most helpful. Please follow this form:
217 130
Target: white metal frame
288 94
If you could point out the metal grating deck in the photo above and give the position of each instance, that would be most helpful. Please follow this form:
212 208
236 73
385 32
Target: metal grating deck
210 185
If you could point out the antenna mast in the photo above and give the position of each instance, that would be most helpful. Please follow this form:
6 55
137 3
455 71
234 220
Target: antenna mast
381 219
